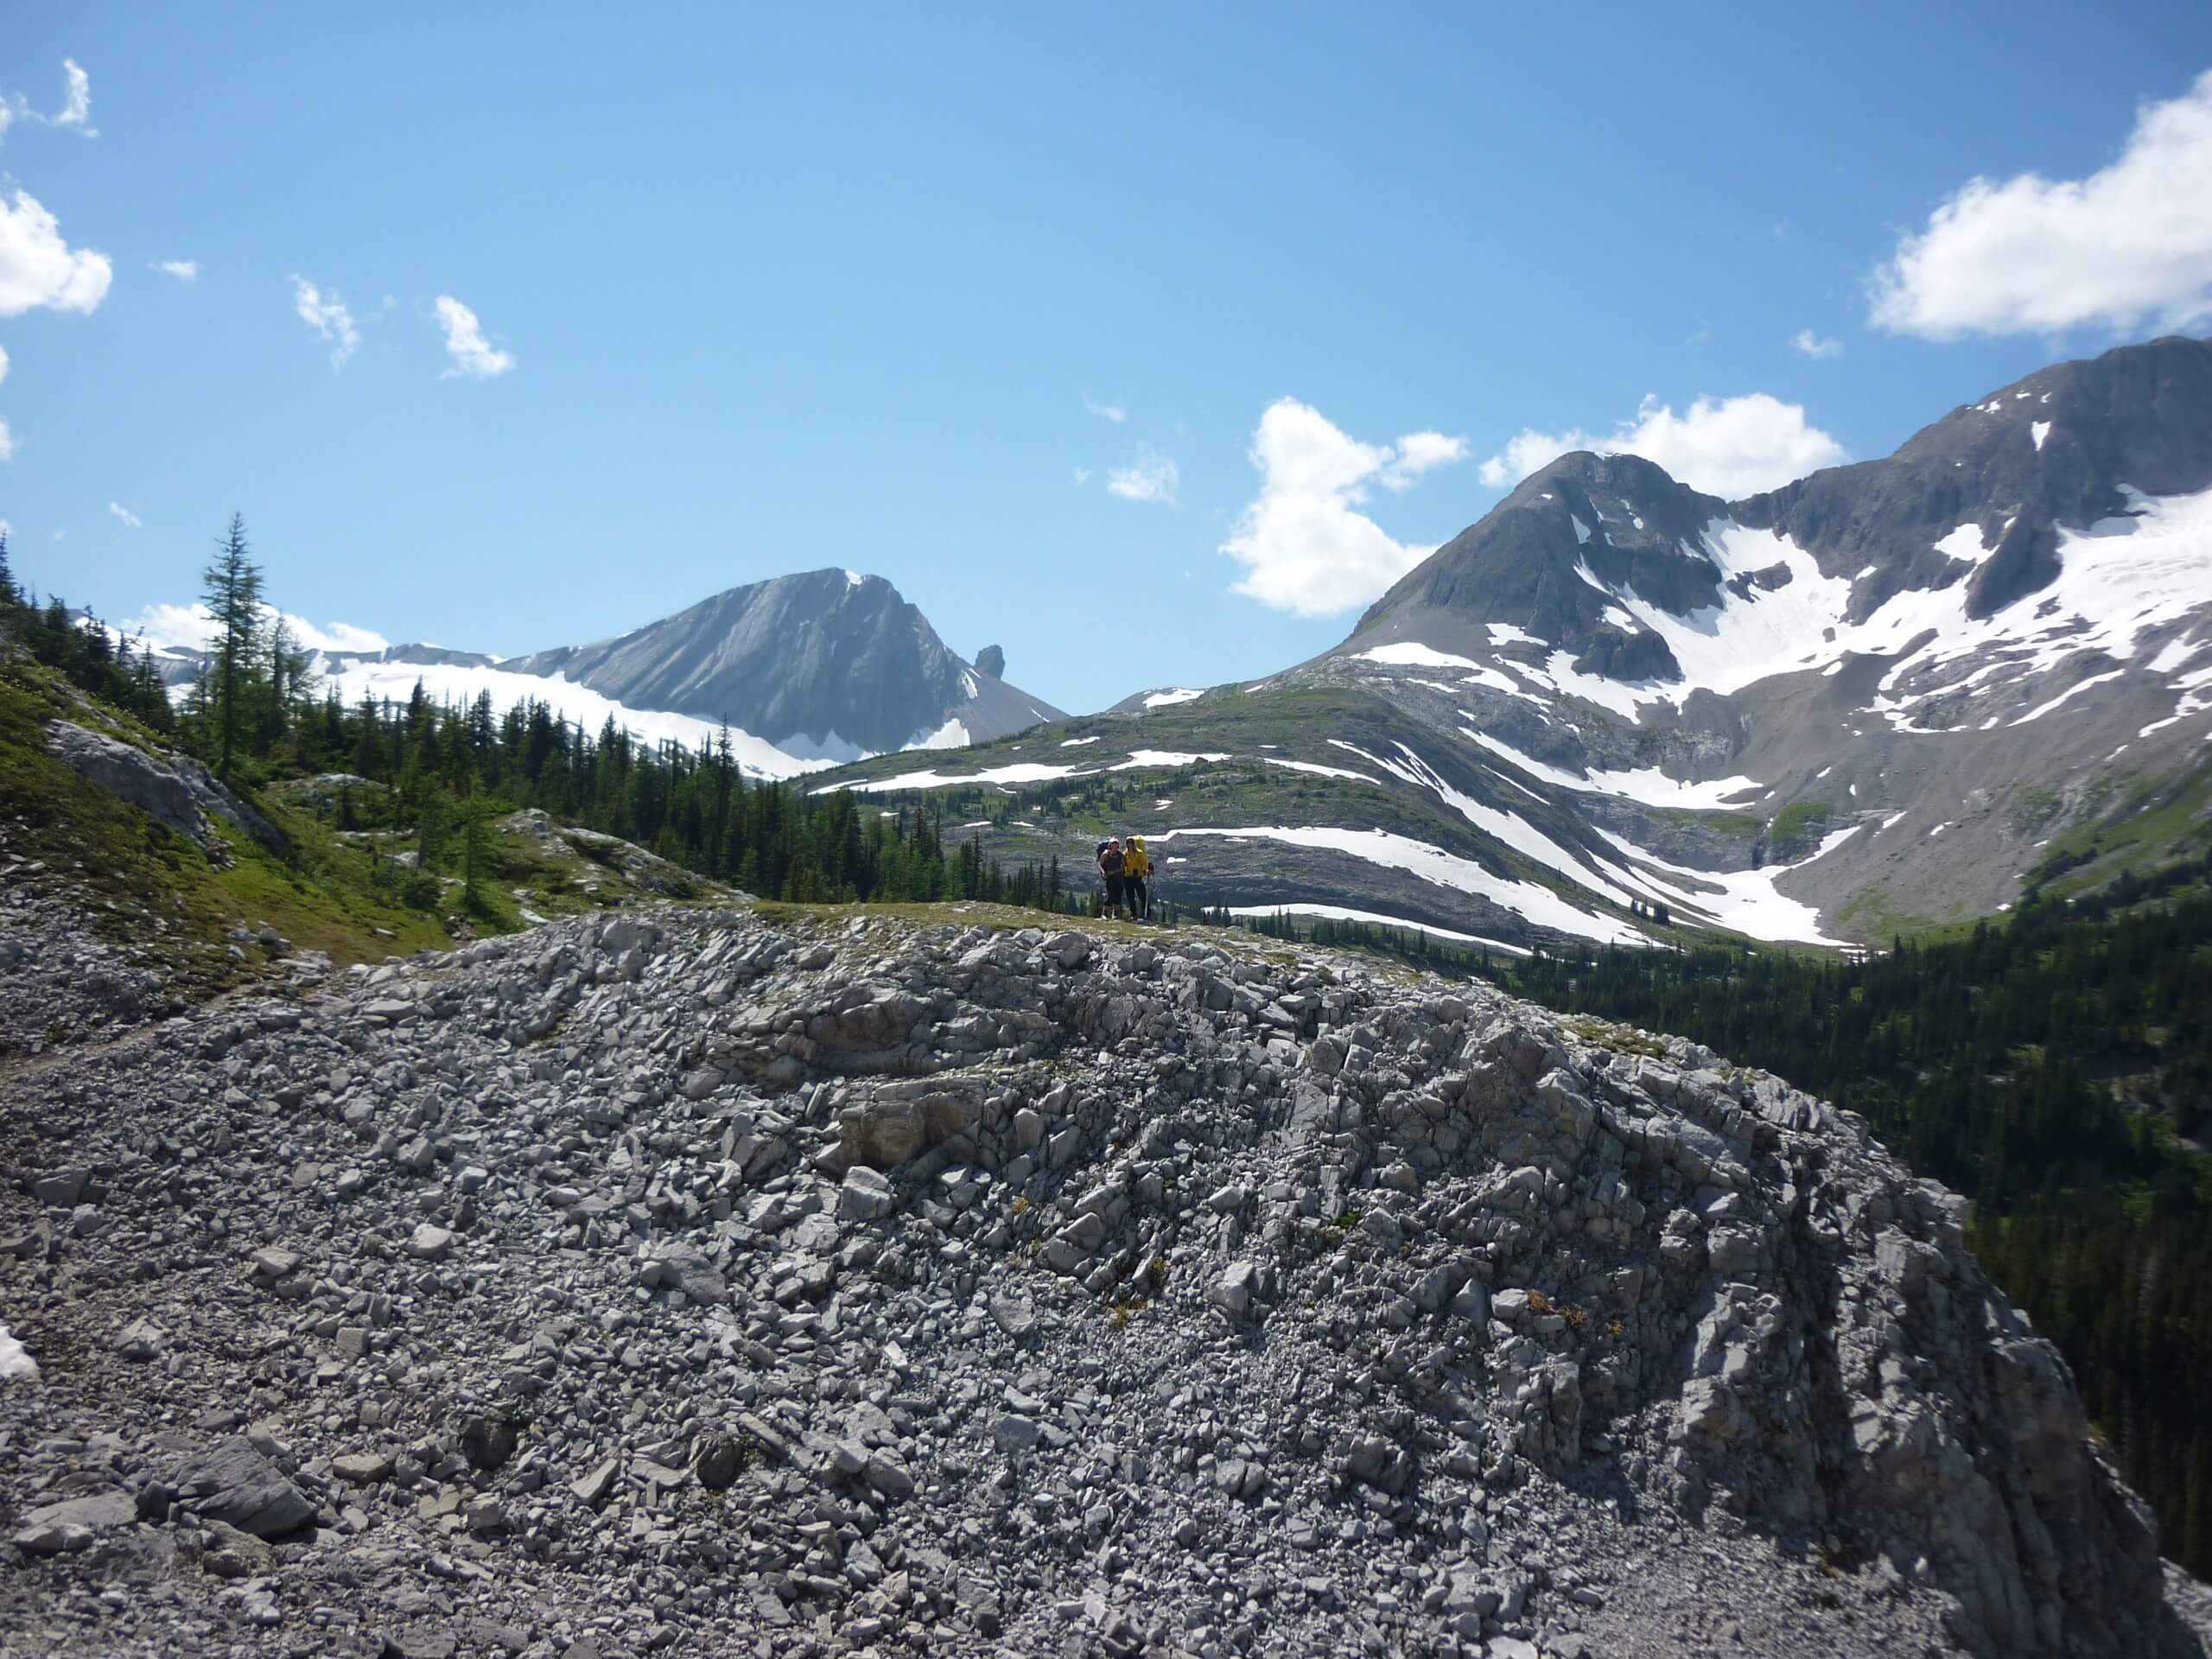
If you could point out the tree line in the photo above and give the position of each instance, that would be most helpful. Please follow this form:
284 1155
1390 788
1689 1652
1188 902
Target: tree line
256 712
112 667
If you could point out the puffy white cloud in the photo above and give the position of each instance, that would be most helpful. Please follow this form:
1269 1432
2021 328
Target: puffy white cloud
1415 453
129 519
193 627
185 270
37 268
1806 343
473 356
1151 477
328 316
78 112
2130 244
1112 412
1728 447
1303 545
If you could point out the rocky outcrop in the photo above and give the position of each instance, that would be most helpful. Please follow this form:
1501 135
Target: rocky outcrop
176 791
809 1286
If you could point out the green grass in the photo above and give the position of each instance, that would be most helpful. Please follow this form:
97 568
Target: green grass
1796 829
2127 822
159 894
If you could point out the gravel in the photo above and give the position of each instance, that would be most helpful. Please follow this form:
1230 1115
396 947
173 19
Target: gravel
698 1282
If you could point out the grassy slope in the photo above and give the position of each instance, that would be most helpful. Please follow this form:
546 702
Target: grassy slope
158 892
1288 722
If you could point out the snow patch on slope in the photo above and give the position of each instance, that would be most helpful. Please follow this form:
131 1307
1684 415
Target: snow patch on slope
953 734
1540 905
1746 901
459 684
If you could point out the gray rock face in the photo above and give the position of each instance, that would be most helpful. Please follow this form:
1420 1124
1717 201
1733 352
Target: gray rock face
235 1484
1015 1295
2139 417
804 661
1518 563
178 792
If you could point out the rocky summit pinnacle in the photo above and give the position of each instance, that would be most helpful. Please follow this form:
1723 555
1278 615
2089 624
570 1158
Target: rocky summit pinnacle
699 1282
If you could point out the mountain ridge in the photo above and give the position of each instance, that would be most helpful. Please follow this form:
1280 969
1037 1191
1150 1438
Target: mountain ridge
1873 698
807 670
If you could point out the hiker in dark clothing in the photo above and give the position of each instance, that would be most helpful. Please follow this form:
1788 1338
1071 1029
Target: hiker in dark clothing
1110 865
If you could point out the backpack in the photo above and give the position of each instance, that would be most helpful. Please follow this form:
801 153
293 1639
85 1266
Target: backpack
1139 861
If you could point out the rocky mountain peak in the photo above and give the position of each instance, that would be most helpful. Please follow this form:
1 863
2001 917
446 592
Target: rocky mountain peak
1542 561
828 662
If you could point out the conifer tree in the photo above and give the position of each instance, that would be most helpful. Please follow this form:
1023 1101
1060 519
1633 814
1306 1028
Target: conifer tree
231 591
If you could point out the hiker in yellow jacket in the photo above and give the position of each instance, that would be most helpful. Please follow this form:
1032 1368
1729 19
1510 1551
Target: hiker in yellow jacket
1136 879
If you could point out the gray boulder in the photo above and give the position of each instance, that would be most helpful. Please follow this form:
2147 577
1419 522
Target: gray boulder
236 1485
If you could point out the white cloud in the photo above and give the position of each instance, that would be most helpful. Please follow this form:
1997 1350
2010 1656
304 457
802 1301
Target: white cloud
193 626
1112 412
328 317
37 268
1151 477
185 270
1304 547
1806 343
2130 244
472 353
129 519
7 438
78 112
1728 447
1416 453
1081 476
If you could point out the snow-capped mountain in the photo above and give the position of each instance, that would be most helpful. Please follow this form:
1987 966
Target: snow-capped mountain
1872 698
807 670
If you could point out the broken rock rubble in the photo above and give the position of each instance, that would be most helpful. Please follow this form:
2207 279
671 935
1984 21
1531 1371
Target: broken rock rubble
691 1281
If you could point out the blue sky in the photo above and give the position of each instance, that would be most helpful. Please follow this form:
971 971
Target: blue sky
763 291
